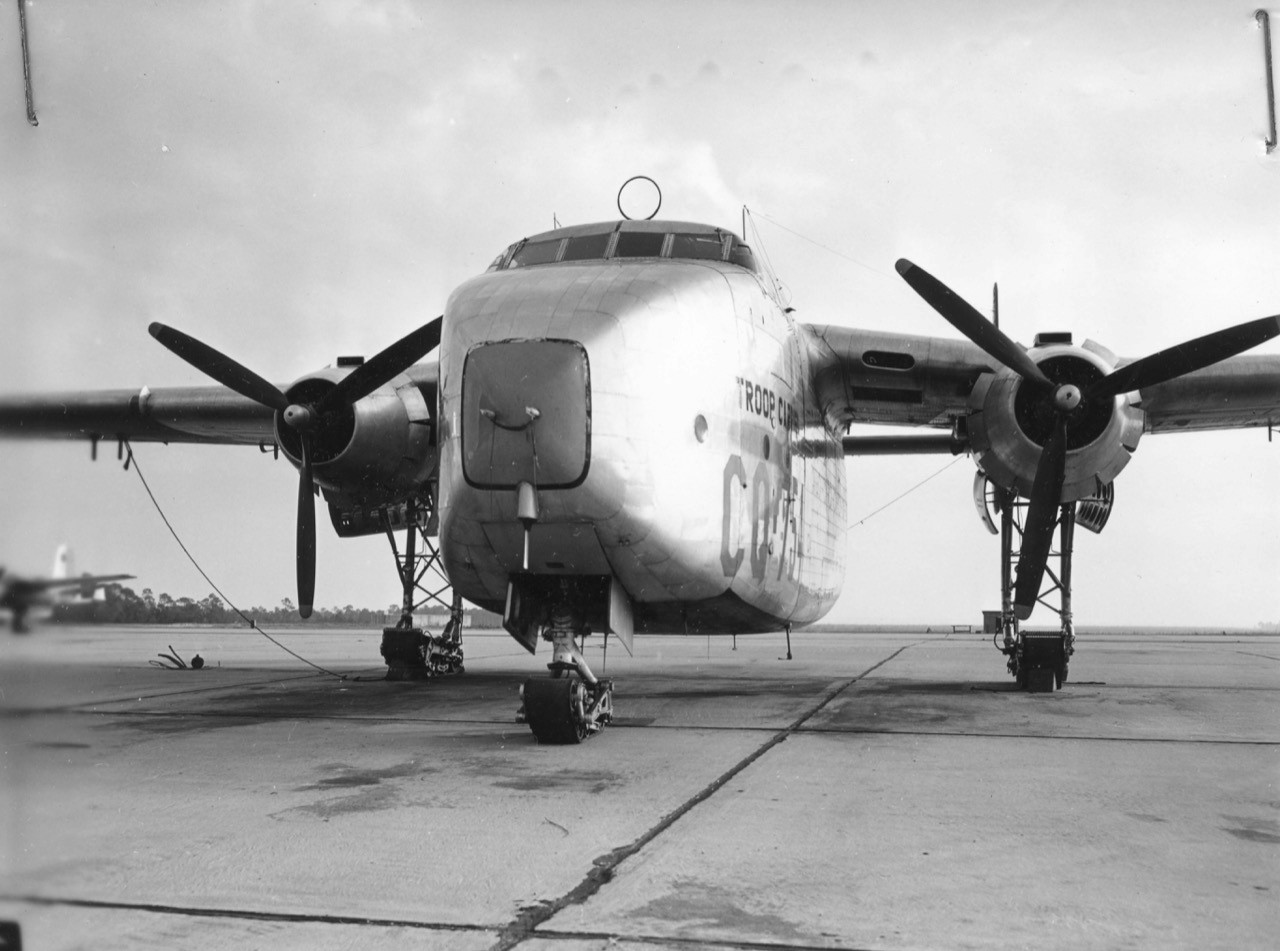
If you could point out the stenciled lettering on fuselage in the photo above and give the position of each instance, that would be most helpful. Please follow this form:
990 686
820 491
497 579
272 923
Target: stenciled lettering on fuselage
767 498
765 403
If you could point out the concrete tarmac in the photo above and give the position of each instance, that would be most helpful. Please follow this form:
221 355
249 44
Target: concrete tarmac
877 791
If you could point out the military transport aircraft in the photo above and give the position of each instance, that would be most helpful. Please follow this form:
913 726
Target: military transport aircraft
19 595
626 429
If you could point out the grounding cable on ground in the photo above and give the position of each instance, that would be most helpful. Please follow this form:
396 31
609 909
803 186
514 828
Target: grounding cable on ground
131 459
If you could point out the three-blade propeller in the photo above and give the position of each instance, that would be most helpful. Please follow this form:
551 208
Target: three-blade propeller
1066 402
304 418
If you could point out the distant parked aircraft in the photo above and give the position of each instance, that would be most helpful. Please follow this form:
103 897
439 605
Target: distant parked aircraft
19 595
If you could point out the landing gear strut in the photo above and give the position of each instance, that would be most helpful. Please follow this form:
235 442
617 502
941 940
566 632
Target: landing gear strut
573 704
1039 660
410 652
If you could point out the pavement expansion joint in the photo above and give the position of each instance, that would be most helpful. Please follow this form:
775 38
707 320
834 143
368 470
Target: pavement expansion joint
666 941
1054 737
243 914
524 925
283 715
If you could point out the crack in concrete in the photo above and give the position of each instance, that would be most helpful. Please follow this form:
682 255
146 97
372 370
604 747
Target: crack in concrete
524 925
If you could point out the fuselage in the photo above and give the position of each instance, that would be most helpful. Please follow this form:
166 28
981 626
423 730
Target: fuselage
643 384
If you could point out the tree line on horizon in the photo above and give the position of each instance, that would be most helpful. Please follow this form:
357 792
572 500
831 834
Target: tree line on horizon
122 605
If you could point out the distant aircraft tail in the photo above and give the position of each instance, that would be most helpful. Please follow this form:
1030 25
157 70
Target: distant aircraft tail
64 570
61 563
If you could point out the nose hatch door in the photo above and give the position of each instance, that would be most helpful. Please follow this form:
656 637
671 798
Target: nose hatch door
526 414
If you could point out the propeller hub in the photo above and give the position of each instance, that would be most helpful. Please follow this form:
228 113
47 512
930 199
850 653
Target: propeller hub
1067 397
299 417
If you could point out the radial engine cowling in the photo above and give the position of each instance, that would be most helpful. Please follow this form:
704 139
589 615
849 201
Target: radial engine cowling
1008 427
376 450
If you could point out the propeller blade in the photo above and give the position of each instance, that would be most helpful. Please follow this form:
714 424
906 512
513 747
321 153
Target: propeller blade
376 371
1186 357
1042 516
219 366
961 315
306 533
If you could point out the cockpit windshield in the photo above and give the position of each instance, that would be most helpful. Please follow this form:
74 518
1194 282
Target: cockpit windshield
535 252
586 247
675 241
698 247
639 244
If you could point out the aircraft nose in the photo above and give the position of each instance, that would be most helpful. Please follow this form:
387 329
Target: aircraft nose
526 414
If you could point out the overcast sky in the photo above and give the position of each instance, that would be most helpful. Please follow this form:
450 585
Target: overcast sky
293 182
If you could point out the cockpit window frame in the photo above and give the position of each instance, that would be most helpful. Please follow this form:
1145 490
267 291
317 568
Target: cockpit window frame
664 242
610 239
730 246
723 238
530 243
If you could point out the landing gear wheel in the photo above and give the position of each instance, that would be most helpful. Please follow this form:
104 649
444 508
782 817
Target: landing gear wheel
1060 675
552 708
566 709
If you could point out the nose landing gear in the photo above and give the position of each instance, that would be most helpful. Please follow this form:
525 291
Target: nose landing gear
572 704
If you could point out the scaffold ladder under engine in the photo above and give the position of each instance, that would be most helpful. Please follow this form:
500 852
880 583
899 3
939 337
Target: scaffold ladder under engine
410 652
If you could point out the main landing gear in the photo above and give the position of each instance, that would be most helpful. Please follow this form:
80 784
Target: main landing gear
410 652
573 703
1039 660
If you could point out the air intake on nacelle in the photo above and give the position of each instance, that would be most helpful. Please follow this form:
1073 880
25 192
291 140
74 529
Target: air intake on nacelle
1092 512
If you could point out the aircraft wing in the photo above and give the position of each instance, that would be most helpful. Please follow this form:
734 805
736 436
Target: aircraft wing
862 376
28 587
902 380
185 414
204 414
1240 392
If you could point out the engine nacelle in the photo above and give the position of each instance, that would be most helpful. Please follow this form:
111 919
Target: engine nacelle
374 452
1008 428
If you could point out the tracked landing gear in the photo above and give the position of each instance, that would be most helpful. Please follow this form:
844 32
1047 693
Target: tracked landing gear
410 652
414 654
572 704
1039 660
